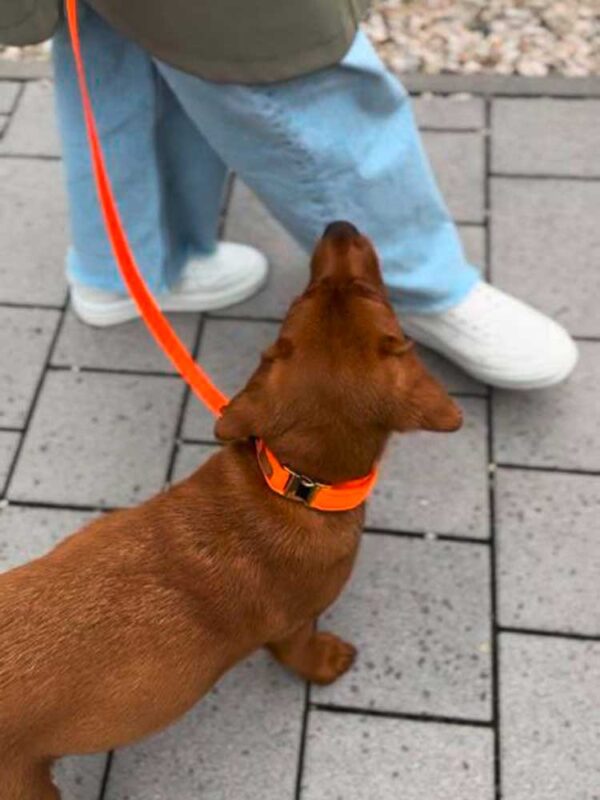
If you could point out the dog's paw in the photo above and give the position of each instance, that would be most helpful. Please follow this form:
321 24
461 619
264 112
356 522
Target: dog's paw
331 658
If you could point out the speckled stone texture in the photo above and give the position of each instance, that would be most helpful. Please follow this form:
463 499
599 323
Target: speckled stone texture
124 347
454 498
33 129
546 137
21 367
474 604
557 428
545 242
370 758
97 439
33 235
9 91
550 707
8 445
549 559
418 611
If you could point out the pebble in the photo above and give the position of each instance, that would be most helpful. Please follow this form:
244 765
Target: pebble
506 37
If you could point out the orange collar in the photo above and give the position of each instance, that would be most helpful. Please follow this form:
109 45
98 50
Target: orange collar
323 497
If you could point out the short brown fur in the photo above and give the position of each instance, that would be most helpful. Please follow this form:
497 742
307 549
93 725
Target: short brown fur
126 624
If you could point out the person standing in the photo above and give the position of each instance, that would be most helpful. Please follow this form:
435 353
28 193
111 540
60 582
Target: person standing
291 96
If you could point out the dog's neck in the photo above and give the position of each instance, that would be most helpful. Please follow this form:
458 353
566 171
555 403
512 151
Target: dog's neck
329 456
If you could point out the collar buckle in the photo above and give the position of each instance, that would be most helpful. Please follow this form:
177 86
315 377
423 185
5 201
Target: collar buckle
300 488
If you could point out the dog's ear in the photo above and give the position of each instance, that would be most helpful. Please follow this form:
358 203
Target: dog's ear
249 412
432 406
421 403
281 349
238 419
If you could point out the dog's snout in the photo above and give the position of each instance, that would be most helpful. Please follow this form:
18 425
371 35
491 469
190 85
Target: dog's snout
340 229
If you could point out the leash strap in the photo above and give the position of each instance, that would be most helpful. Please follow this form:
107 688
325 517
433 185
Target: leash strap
282 480
157 323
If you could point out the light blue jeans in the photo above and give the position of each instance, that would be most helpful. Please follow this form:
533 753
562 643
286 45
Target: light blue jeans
340 143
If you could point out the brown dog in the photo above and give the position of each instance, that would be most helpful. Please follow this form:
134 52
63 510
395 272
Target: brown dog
126 624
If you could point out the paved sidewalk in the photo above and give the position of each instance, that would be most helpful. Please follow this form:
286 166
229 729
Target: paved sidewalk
475 603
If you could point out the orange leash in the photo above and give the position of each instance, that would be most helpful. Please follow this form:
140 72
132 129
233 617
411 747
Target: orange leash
282 480
157 323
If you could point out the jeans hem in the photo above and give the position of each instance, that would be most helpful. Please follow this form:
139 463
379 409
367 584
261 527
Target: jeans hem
430 306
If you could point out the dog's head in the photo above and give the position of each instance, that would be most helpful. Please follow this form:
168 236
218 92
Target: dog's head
341 376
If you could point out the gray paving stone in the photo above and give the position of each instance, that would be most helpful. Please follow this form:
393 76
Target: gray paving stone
27 533
370 758
189 458
33 129
459 111
473 239
458 163
98 439
249 222
548 550
3 123
8 445
8 94
546 247
419 613
545 136
550 712
29 332
230 352
80 777
240 742
127 346
558 427
436 483
33 236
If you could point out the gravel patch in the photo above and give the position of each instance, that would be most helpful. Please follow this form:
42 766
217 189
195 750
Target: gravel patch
505 37
35 51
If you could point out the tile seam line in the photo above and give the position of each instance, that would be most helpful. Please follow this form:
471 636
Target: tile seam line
5 492
47 505
525 176
13 111
490 477
332 708
302 743
30 306
26 156
430 537
135 373
186 396
545 469
541 633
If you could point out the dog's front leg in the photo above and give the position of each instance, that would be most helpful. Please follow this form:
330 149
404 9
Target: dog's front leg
23 779
314 655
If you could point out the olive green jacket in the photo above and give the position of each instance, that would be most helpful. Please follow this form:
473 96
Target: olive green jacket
234 41
27 21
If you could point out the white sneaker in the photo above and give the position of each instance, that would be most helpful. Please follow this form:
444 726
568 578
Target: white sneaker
498 340
231 274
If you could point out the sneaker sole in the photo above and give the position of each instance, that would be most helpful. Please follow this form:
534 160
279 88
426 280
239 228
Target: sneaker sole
107 314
